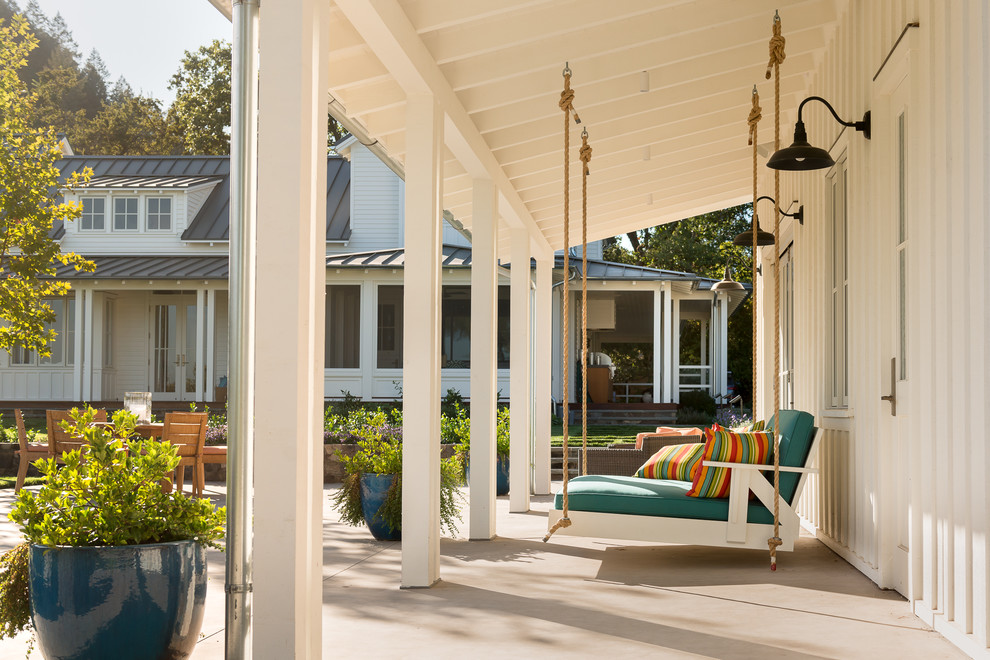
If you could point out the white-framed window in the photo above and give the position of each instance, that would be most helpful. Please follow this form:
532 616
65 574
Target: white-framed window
94 214
838 286
158 213
125 214
62 347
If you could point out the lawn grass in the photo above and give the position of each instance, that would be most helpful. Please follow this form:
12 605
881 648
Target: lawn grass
599 435
10 482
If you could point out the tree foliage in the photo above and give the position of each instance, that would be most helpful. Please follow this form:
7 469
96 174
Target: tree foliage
701 245
200 115
30 206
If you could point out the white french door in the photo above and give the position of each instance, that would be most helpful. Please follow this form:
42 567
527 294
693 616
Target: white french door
173 348
894 367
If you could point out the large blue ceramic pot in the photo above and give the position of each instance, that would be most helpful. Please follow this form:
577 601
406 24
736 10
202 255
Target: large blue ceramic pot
121 602
374 488
501 474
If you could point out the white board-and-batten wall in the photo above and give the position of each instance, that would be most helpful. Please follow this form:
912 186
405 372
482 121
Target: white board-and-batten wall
904 498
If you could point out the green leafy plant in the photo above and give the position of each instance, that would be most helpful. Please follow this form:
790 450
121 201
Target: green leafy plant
379 451
109 495
697 401
461 428
15 600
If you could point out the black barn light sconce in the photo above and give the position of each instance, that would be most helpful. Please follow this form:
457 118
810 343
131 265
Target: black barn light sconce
763 238
727 284
801 155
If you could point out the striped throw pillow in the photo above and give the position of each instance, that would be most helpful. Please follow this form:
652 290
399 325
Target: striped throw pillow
758 425
677 462
721 444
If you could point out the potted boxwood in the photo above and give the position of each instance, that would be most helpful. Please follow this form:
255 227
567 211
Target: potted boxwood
461 428
116 565
372 490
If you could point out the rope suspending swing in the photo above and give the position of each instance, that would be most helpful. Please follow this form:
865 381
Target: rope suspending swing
567 105
755 114
777 56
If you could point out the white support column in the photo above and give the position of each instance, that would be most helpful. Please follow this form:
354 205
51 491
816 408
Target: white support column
658 346
519 374
542 351
211 318
78 348
421 344
668 342
291 275
87 372
484 374
723 345
200 325
369 347
675 348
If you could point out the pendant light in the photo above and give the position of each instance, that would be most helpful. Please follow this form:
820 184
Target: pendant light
801 155
727 284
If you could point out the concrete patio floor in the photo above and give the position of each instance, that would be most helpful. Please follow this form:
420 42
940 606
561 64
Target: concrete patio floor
516 597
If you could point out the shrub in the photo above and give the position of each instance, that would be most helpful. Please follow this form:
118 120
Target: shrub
699 401
463 435
114 496
692 416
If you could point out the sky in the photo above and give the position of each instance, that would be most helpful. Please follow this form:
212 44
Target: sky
140 40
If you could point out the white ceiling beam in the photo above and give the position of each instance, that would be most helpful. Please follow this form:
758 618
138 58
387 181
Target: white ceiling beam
675 35
395 42
429 15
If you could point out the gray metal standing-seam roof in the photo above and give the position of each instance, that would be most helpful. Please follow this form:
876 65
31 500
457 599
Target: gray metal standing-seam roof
212 222
452 257
158 267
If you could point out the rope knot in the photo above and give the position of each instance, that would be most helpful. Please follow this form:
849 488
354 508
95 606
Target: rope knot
585 152
567 99
777 42
755 115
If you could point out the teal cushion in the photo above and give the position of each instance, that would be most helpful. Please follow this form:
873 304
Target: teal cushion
649 497
797 428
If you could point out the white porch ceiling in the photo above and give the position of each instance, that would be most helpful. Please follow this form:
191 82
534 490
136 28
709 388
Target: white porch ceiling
495 66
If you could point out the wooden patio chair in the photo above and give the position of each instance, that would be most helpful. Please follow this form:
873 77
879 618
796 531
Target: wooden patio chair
60 440
187 432
27 452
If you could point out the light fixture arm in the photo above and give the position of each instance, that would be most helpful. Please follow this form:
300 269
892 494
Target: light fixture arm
863 126
797 215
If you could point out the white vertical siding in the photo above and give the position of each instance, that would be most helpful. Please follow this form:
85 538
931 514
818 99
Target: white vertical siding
948 317
376 204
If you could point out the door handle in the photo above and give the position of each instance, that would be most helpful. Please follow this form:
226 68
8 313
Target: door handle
892 397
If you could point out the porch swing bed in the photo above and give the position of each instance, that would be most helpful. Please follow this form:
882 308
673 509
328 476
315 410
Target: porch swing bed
659 510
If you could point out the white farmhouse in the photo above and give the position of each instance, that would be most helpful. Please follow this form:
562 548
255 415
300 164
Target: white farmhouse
153 317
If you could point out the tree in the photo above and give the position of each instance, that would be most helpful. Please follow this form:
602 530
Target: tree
199 119
127 124
702 245
29 206
200 115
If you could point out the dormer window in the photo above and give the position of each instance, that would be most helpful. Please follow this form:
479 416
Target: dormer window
94 214
125 214
159 214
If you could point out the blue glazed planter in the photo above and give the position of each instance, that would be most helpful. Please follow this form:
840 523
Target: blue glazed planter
501 475
137 601
374 487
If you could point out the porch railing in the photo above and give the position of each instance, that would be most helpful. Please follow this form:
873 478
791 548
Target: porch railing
695 377
630 392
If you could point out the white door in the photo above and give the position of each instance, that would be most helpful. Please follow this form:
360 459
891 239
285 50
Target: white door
896 407
173 348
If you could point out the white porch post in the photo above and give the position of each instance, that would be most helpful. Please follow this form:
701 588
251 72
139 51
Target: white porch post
87 373
211 319
542 364
484 375
658 346
421 344
723 345
78 348
200 325
668 342
520 364
675 348
291 275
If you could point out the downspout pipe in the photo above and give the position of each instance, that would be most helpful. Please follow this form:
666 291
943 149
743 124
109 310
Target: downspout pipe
238 585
